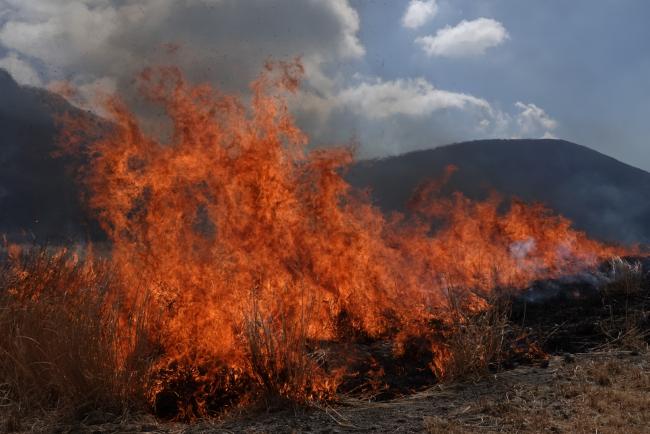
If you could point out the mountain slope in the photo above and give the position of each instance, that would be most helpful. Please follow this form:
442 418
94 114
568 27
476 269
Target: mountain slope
608 199
38 197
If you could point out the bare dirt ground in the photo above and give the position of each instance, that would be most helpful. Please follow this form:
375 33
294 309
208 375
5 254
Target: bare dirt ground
603 392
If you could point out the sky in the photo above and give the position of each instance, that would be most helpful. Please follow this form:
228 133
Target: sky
393 75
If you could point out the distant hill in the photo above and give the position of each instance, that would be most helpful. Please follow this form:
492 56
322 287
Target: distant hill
608 199
38 197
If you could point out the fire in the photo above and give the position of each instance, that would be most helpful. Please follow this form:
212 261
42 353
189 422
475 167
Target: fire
246 249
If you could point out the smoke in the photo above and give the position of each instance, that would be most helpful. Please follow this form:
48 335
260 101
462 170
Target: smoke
20 70
222 41
99 46
521 249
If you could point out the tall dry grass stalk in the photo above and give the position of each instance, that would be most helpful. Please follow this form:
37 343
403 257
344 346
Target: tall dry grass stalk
62 340
279 356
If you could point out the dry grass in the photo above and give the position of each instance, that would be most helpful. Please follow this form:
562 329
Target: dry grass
626 278
629 330
588 393
60 347
627 333
599 393
279 357
477 340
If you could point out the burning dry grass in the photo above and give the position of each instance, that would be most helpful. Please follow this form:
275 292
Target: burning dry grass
68 351
280 359
61 360
61 342
237 203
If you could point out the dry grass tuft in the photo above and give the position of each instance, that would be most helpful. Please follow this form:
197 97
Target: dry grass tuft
439 425
627 278
477 340
279 358
602 392
627 330
61 343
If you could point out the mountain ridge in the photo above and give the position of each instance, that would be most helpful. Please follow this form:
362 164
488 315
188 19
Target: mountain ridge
606 198
39 199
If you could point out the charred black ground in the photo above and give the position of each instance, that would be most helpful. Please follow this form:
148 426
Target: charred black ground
604 307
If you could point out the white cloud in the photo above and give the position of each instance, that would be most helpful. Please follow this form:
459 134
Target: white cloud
549 135
533 121
20 70
412 97
467 39
419 12
389 117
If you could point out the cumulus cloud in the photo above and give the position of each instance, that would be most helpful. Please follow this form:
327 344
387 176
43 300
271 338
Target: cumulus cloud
412 97
389 117
467 39
396 116
533 121
419 12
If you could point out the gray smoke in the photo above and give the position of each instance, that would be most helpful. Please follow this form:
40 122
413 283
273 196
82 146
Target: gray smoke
103 44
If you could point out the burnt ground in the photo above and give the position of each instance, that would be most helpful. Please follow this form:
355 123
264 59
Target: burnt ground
595 376
588 312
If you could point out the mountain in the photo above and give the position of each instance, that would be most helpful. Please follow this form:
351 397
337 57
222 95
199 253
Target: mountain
38 196
606 198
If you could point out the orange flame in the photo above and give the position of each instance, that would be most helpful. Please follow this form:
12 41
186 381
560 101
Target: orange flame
235 212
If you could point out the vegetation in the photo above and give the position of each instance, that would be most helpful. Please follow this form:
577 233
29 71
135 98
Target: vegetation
60 343
67 350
